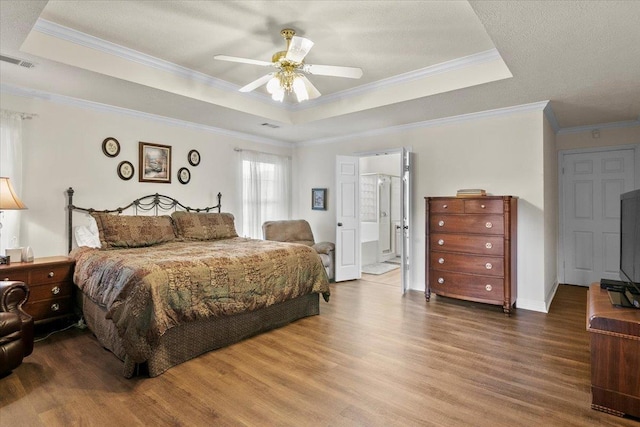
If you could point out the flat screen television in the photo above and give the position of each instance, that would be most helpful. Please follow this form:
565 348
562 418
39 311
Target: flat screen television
630 238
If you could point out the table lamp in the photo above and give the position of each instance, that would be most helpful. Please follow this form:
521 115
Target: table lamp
9 200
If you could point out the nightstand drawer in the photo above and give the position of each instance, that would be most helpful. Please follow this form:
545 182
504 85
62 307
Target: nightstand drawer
18 276
49 290
49 308
51 274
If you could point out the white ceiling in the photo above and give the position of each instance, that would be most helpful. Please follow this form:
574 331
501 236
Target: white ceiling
422 60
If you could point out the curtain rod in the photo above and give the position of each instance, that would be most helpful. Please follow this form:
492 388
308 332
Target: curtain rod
239 150
23 115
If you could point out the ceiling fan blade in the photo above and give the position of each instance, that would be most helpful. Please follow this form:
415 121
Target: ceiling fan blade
311 89
333 70
243 60
298 49
256 83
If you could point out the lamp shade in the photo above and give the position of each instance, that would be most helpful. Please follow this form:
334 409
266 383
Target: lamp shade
8 197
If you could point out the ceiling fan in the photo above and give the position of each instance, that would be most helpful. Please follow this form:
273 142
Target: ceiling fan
289 76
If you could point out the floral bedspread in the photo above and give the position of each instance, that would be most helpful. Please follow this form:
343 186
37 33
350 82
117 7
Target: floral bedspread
147 291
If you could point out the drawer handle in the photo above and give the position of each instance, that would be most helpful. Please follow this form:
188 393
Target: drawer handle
51 274
441 280
441 223
445 206
488 288
440 260
482 206
488 266
488 245
441 242
55 306
488 225
55 290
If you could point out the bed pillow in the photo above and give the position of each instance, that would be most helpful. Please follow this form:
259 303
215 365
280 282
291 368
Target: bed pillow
88 235
125 231
204 226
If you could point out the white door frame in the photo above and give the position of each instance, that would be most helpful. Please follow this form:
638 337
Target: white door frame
405 250
561 207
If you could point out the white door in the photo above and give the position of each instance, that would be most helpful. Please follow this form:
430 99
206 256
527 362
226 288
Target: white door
592 184
347 262
405 212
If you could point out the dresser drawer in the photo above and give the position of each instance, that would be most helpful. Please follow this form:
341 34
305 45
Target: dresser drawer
478 288
51 274
472 264
476 224
49 308
49 290
447 206
477 206
468 243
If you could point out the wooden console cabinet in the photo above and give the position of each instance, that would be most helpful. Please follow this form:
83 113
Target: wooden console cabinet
50 281
615 355
471 249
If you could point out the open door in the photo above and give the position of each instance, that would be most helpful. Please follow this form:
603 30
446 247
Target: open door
347 262
405 212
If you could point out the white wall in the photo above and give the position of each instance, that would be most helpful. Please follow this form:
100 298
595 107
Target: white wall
503 155
62 148
551 215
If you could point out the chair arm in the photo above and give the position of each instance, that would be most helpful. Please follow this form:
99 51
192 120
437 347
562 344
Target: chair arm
10 323
324 247
12 296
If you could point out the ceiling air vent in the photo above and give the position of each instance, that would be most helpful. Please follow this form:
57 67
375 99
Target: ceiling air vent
270 125
16 61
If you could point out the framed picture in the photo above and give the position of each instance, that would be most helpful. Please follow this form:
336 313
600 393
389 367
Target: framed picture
154 163
125 170
184 176
194 158
110 147
319 199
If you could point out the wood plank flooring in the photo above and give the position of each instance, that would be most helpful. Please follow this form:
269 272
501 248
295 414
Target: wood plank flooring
371 358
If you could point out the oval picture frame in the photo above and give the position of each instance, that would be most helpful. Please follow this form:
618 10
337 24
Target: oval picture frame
194 157
184 175
126 170
110 147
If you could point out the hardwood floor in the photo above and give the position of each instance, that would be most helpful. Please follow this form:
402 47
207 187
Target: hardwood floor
371 358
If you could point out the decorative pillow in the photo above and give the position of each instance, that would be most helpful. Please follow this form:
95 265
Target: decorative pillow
204 226
123 231
88 235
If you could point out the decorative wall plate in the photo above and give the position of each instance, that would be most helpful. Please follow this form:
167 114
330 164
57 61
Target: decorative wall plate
194 158
126 170
110 147
184 176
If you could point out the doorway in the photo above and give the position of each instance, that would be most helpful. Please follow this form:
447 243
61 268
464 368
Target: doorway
590 186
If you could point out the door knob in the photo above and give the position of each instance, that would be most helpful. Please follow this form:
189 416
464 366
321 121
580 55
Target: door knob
339 224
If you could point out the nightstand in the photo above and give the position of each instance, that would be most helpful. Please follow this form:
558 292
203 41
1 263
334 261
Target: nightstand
50 281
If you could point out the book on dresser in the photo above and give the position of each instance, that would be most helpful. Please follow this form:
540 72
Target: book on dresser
471 249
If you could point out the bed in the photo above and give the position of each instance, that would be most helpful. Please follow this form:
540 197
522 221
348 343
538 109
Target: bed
169 282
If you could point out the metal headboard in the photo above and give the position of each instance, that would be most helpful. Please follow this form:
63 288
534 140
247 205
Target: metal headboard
152 202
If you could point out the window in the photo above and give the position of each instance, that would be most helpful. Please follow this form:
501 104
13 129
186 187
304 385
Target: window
266 190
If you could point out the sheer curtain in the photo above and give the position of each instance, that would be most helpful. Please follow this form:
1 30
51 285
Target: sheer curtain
11 167
266 190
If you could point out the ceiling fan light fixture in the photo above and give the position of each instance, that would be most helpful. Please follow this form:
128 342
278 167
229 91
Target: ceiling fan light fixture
298 49
273 85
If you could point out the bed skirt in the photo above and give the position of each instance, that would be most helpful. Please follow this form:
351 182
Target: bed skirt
189 340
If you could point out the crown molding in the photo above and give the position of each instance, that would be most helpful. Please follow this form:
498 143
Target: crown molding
589 128
499 112
96 106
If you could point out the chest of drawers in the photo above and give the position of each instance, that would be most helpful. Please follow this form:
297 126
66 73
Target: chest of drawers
50 281
471 249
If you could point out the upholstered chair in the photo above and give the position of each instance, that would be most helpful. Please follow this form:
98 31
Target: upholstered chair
299 231
16 326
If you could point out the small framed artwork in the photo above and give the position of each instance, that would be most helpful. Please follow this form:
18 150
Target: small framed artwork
126 170
154 163
319 199
110 147
194 158
184 176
